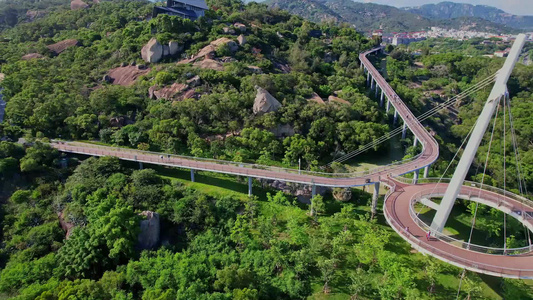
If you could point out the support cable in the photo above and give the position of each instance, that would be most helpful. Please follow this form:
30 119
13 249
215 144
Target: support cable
483 176
504 143
471 90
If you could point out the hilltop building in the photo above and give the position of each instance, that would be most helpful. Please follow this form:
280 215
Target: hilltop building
189 9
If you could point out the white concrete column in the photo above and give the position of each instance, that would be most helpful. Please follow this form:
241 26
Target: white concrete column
381 100
313 191
499 90
192 175
395 117
249 186
404 130
388 105
426 171
367 78
140 165
377 88
375 196
415 176
415 142
372 83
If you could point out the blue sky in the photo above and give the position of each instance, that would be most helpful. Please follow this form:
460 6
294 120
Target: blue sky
517 7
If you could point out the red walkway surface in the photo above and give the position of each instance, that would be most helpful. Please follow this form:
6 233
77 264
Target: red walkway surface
396 210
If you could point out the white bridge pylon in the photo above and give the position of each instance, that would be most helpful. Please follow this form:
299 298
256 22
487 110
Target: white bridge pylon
499 90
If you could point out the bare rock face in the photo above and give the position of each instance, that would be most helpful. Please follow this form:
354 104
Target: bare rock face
228 30
209 64
333 99
194 82
342 194
152 52
30 56
225 41
284 130
148 238
166 50
241 39
59 47
173 47
316 98
167 92
255 69
264 102
77 4
126 76
241 27
66 226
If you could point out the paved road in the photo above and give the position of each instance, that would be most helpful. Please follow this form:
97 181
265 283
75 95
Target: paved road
396 211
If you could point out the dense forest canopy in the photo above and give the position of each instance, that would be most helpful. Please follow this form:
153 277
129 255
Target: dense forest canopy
70 225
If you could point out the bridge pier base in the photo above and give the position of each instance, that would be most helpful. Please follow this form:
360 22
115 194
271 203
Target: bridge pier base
192 175
375 196
249 186
426 171
140 165
415 176
404 130
381 101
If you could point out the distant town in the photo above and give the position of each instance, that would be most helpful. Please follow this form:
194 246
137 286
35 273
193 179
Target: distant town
405 38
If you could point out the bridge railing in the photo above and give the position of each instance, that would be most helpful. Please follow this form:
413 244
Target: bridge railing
473 186
461 243
463 262
175 159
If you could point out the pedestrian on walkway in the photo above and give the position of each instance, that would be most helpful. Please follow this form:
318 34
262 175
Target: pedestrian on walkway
428 235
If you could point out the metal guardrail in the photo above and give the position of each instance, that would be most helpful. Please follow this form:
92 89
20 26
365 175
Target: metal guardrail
171 158
470 264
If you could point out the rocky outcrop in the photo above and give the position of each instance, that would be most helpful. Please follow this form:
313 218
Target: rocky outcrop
228 30
126 76
195 81
255 69
302 192
173 47
30 56
66 226
316 98
333 99
167 92
78 4
148 238
152 52
225 41
209 64
264 102
284 130
239 26
59 47
2 76
342 194
241 39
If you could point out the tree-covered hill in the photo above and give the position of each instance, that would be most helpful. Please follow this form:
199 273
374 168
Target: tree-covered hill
451 10
370 16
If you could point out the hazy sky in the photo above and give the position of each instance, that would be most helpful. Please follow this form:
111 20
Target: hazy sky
517 7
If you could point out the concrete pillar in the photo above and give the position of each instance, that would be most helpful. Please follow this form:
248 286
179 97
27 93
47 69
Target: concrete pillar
381 100
404 130
375 196
249 186
395 117
388 105
313 191
367 78
372 83
377 88
140 165
426 171
415 142
192 175
415 176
